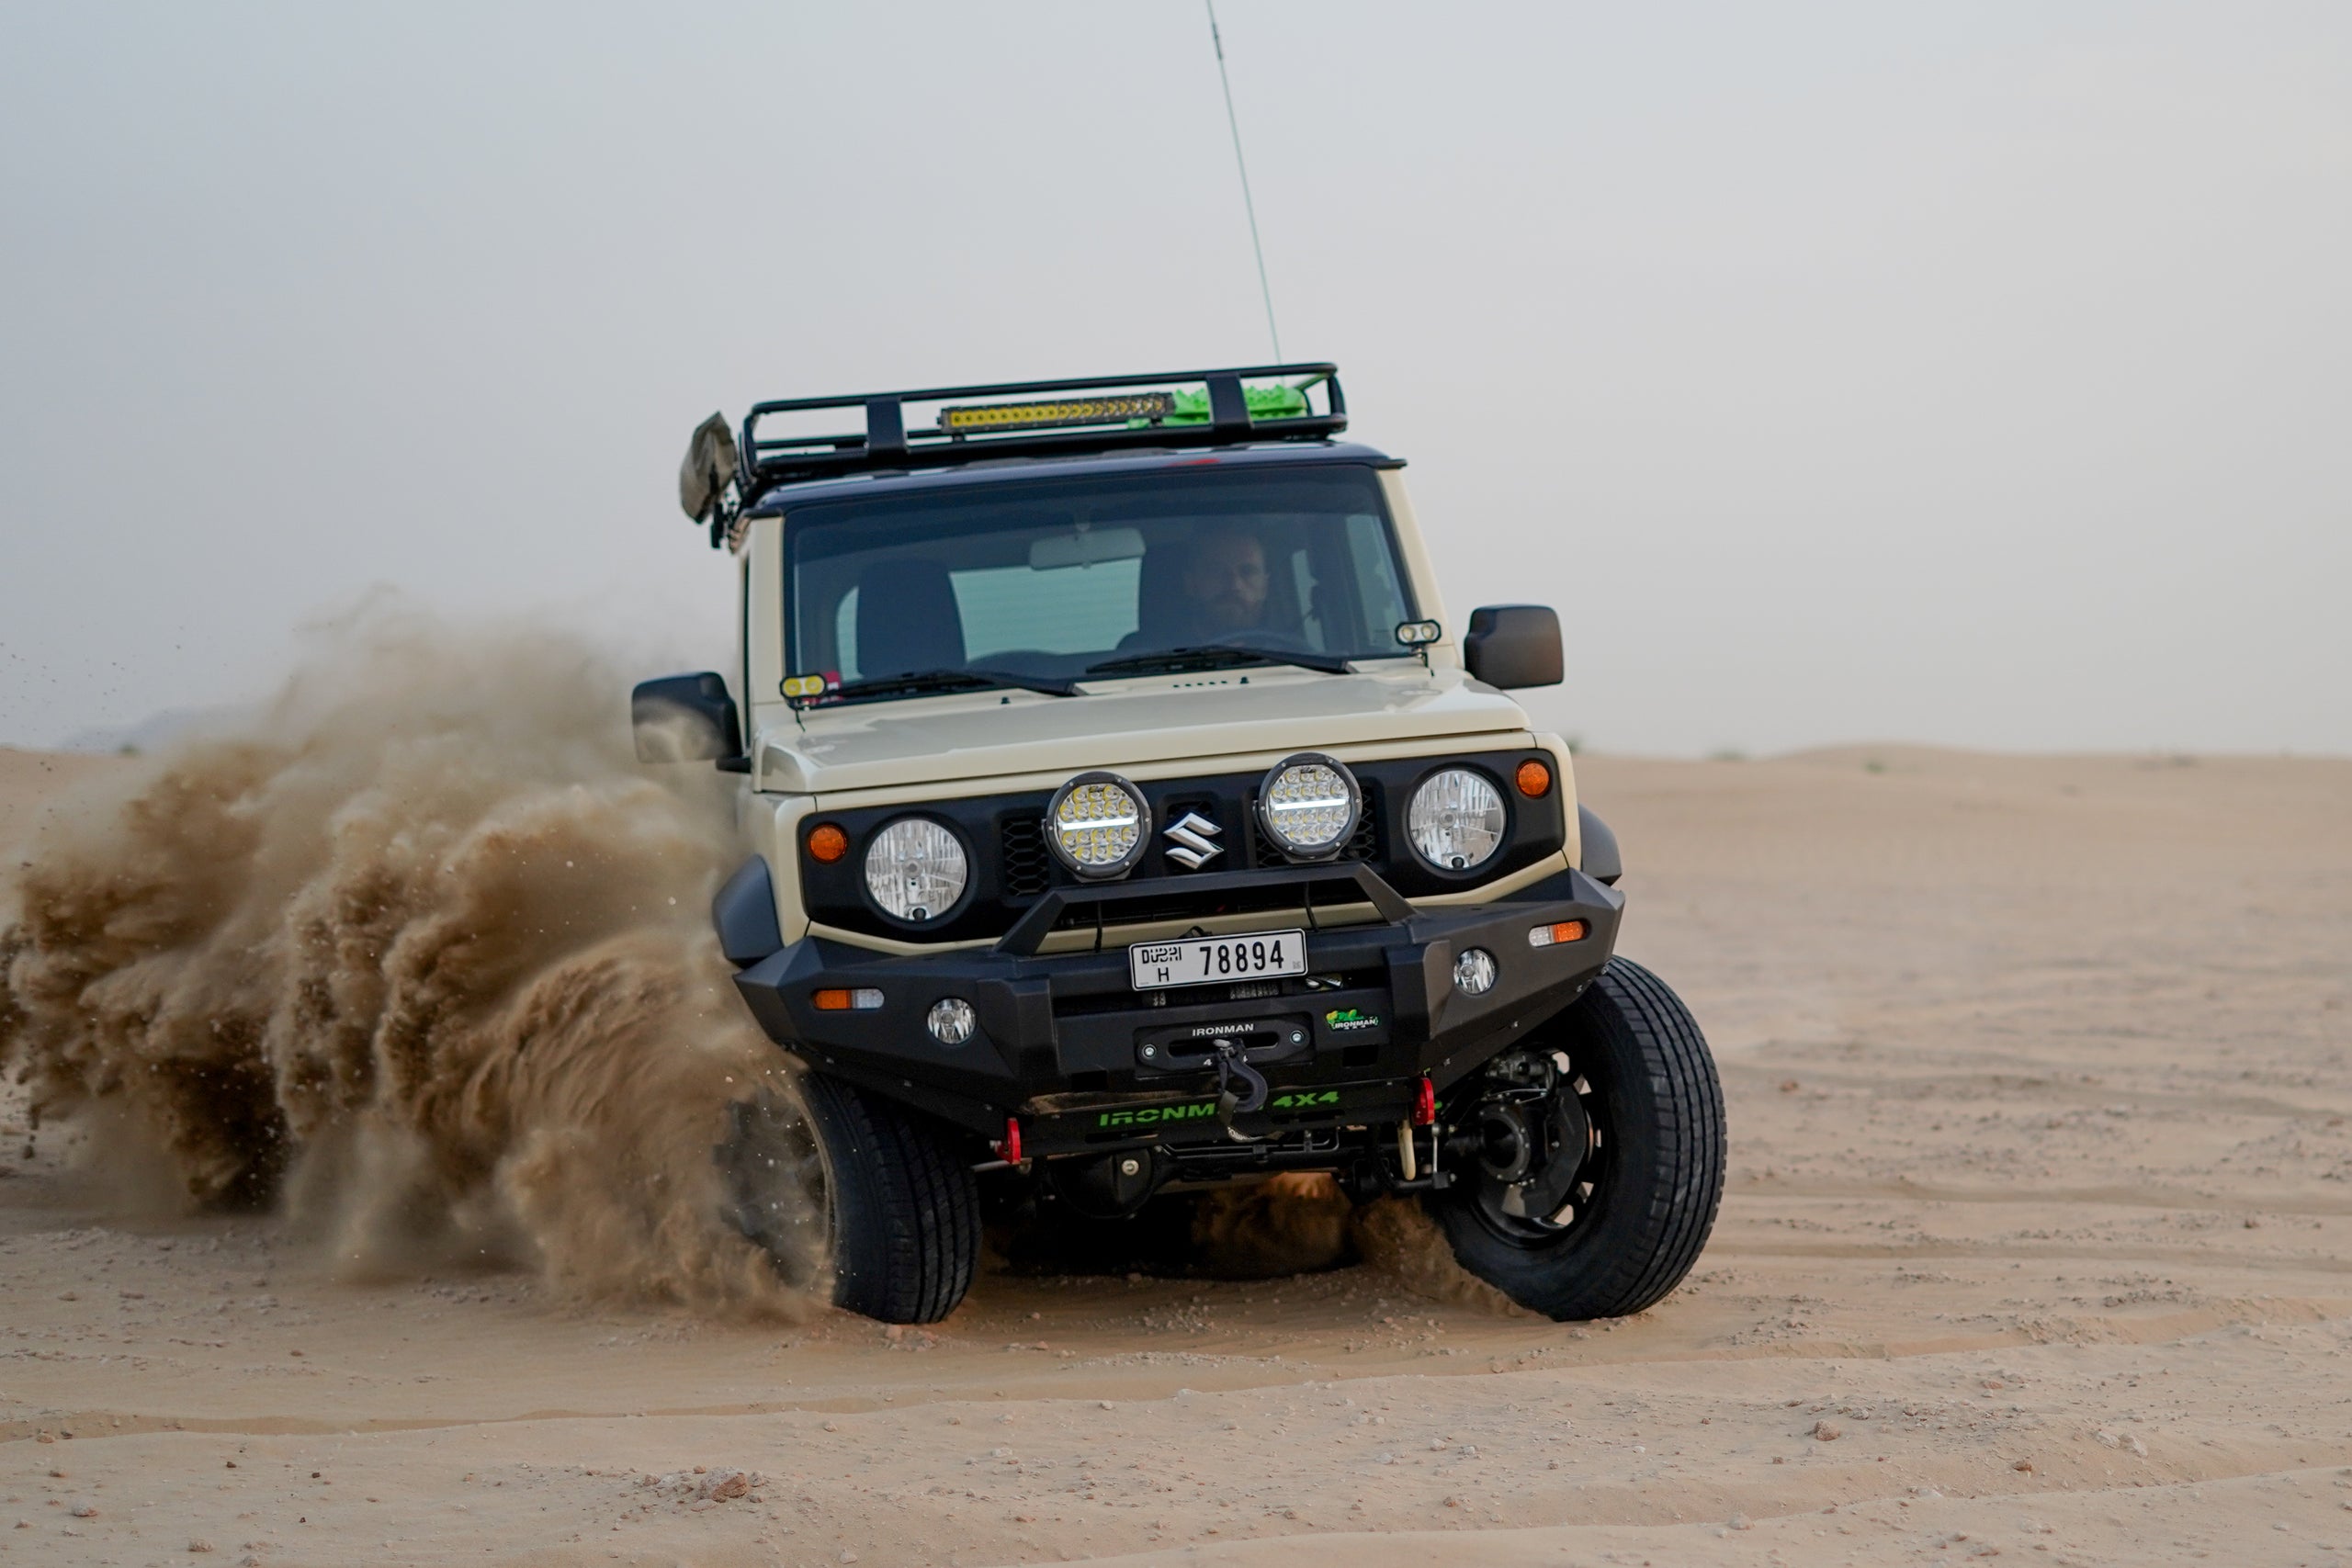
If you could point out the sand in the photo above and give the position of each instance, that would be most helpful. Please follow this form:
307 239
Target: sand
2036 1246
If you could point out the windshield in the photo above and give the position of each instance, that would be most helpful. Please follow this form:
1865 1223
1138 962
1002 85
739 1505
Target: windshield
1054 577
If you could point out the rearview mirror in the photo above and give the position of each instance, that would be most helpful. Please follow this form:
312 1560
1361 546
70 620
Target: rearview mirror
709 467
685 719
1085 547
1514 645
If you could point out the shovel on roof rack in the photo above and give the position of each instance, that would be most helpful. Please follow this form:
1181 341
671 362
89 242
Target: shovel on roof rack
708 472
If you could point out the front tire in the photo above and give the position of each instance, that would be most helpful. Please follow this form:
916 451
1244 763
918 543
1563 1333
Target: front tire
884 1191
1646 1160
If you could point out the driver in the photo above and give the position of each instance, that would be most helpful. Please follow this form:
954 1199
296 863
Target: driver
1225 583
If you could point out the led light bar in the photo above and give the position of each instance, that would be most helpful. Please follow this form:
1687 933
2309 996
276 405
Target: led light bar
1059 416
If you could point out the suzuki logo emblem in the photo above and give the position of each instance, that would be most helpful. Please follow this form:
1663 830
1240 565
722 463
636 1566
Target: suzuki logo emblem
1189 844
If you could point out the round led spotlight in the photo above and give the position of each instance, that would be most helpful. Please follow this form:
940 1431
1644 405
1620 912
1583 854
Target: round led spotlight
1309 805
1455 819
916 869
1098 825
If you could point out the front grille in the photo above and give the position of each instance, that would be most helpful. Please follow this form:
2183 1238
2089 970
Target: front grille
1027 867
1013 865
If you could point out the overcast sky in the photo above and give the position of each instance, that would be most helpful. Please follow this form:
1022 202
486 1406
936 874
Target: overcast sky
1974 374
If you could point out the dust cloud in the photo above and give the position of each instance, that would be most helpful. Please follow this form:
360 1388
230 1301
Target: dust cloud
418 955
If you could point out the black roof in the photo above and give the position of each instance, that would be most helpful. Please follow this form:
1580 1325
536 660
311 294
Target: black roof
776 498
1247 414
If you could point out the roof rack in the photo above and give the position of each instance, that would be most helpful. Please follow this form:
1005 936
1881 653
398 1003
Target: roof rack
1184 409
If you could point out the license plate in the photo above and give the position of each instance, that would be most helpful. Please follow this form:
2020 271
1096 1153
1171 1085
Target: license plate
1205 960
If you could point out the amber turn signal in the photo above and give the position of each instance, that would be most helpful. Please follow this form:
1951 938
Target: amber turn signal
827 843
1534 779
1553 936
835 999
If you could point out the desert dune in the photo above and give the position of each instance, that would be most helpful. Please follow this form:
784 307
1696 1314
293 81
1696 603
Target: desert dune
2038 1243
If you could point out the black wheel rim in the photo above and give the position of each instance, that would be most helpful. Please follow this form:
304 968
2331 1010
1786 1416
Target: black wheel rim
782 1186
1501 1208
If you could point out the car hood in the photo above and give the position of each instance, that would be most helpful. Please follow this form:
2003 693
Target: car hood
1129 724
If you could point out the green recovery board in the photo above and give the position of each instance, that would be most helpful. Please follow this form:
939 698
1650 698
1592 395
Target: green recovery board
1276 402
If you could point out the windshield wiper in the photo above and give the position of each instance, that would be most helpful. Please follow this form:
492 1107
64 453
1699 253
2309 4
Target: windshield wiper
953 680
1216 656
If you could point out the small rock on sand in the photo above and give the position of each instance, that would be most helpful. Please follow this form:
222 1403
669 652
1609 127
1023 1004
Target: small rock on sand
1827 1431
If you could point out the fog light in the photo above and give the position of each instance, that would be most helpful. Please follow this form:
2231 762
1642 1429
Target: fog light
834 999
950 1020
1553 936
1473 972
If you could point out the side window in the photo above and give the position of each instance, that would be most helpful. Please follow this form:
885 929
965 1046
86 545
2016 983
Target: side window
845 634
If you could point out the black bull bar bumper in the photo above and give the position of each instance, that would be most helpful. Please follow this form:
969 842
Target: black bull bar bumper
1069 1045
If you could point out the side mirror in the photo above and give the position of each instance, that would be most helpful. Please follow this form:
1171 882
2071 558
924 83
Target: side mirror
1514 645
685 719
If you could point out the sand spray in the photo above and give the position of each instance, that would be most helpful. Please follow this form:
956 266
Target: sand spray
421 954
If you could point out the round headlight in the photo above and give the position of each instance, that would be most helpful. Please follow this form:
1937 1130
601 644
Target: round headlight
1098 824
1455 819
916 869
1308 804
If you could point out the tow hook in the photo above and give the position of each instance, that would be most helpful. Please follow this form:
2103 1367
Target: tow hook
1232 1063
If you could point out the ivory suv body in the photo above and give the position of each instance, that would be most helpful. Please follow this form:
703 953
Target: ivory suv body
1125 813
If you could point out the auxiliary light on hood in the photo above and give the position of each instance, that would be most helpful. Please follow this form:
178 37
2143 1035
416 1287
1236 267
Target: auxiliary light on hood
1308 804
1098 825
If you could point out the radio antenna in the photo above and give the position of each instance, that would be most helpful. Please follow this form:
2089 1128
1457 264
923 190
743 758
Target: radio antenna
1243 164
